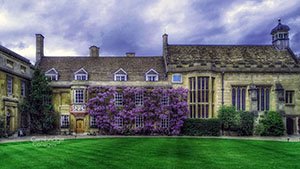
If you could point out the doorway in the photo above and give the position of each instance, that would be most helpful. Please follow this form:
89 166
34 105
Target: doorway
79 126
290 126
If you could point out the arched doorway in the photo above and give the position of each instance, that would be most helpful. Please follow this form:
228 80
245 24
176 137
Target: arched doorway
79 126
290 126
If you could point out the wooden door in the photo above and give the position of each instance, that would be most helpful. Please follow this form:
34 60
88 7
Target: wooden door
79 126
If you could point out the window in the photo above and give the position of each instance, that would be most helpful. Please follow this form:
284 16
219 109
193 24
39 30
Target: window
64 121
151 75
119 122
120 75
52 74
263 98
10 63
23 88
139 99
199 97
164 100
9 85
79 96
23 69
93 122
176 78
81 74
119 99
289 97
239 97
165 122
139 121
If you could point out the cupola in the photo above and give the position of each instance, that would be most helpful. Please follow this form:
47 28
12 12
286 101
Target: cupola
280 36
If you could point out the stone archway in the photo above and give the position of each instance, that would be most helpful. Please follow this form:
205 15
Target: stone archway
289 126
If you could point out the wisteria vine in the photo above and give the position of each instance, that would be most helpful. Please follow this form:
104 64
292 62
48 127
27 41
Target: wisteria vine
102 106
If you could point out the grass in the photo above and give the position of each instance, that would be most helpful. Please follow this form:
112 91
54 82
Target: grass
152 153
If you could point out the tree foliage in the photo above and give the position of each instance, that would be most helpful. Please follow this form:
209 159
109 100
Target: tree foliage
228 117
245 126
102 105
38 108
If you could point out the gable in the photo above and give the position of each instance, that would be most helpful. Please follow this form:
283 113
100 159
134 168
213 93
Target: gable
51 71
81 71
152 72
120 72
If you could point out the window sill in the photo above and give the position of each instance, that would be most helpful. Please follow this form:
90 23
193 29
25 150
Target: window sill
64 127
178 82
290 104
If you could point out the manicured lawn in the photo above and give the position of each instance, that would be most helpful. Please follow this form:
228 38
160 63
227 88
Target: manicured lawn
163 153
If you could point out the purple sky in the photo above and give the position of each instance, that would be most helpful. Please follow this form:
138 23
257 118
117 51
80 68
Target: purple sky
71 27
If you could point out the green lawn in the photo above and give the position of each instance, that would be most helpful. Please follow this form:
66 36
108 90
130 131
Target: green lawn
163 153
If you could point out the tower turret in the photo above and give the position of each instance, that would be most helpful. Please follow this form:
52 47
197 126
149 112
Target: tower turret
280 36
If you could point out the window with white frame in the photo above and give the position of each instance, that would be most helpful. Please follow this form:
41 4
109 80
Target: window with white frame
81 74
79 95
120 122
119 99
93 122
23 88
9 85
164 99
177 78
120 75
165 121
151 75
64 121
52 74
139 121
139 99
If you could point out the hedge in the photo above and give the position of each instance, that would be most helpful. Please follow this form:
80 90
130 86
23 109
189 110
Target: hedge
201 127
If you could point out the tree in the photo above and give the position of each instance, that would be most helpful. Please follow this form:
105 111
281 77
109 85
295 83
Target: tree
228 117
245 127
38 109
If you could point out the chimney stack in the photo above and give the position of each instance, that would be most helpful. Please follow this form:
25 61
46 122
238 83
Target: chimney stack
130 54
39 47
94 51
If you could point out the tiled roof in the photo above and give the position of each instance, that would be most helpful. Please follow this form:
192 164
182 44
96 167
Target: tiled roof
103 68
192 56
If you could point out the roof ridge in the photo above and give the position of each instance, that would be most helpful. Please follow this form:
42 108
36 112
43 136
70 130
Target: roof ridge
14 54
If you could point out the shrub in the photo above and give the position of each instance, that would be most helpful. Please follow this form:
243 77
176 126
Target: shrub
201 127
245 127
272 124
228 117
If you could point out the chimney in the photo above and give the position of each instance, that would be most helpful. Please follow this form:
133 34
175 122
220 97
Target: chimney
130 54
94 51
39 47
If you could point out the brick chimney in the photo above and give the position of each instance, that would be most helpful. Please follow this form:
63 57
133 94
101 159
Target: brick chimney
130 54
39 47
94 51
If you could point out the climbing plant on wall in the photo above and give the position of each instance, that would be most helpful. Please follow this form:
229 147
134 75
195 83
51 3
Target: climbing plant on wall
152 111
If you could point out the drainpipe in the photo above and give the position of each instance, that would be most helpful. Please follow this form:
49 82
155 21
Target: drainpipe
222 88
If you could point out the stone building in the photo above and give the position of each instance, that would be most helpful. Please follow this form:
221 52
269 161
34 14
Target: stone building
15 75
255 78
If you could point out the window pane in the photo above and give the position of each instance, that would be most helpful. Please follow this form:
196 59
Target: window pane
262 100
243 99
267 99
233 97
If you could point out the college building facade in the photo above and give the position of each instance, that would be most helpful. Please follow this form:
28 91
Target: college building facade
254 78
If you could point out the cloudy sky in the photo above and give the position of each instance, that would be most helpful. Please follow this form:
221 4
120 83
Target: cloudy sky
70 27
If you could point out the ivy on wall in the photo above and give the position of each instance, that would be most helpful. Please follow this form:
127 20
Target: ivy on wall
102 106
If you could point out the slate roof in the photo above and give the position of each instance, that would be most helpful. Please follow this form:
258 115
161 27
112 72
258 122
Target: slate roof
191 56
103 68
13 54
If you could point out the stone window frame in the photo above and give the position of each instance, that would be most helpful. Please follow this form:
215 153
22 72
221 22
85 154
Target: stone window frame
150 76
165 122
289 95
238 96
23 89
266 96
139 99
93 122
119 122
10 64
120 77
9 85
65 121
81 76
164 99
52 76
23 69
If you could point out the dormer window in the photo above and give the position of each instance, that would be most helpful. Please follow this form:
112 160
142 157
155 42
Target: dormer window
52 74
152 75
120 75
81 74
